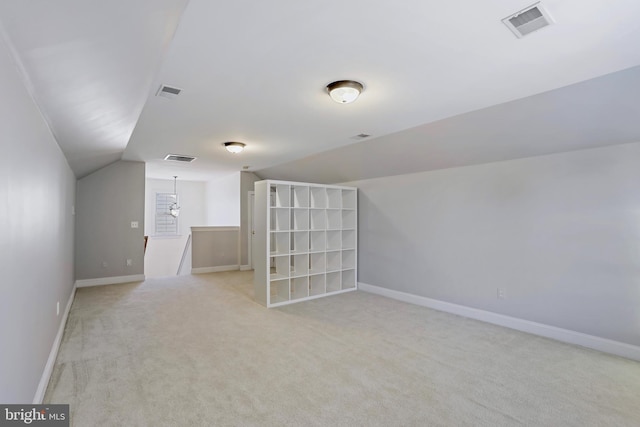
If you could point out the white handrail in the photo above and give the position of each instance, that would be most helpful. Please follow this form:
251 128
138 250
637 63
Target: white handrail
184 254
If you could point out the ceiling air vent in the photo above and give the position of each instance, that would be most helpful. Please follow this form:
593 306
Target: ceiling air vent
360 136
180 158
168 92
528 20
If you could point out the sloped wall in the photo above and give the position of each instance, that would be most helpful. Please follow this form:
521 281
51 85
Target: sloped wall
37 189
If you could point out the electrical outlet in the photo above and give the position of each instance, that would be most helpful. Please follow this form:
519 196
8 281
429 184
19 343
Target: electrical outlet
502 293
104 264
58 308
134 224
129 262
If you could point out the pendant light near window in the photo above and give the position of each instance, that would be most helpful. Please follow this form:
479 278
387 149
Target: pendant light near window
344 91
174 209
234 147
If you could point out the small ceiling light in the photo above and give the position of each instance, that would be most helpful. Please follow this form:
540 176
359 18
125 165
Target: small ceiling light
234 147
344 91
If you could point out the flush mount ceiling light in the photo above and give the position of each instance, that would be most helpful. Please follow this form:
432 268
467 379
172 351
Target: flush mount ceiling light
344 91
234 147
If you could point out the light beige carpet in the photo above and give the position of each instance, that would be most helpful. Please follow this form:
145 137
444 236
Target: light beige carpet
197 351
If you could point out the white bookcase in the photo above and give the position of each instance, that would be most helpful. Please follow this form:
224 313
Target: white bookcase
305 241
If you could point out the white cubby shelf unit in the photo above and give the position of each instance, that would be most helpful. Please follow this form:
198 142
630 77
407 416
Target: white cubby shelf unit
305 242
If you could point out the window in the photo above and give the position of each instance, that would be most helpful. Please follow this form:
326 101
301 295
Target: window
166 225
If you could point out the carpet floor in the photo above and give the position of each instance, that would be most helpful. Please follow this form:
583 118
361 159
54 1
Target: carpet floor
198 351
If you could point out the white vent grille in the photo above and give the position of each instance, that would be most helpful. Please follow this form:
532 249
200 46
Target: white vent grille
180 158
528 20
168 92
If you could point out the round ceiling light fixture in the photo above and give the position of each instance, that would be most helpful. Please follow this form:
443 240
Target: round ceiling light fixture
344 91
234 147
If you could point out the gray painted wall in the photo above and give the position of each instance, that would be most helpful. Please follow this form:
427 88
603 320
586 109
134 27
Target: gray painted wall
247 179
107 201
214 247
37 188
560 233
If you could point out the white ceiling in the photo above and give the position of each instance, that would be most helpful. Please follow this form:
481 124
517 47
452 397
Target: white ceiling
595 113
89 66
255 72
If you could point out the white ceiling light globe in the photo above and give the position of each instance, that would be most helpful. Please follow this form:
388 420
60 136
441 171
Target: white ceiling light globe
344 91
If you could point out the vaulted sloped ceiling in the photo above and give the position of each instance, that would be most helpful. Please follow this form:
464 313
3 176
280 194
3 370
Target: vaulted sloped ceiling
441 80
90 66
596 113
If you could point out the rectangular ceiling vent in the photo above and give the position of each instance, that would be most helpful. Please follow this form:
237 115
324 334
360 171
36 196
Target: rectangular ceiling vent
168 92
180 158
360 136
528 20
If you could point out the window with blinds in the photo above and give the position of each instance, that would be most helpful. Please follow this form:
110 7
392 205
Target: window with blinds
166 225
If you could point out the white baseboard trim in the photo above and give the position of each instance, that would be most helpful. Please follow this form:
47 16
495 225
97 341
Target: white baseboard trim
109 280
572 337
202 270
245 268
53 354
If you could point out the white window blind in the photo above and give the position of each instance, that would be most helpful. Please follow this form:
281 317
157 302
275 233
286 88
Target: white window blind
166 225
